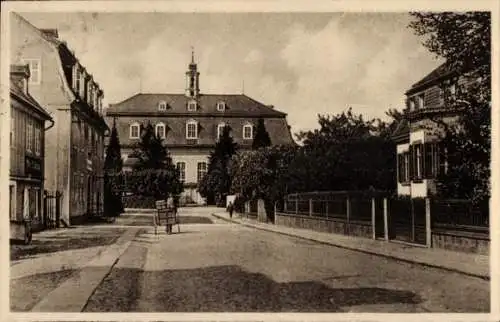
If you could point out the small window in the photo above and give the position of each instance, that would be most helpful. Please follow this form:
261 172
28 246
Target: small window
162 106
221 106
192 106
248 132
220 130
453 90
160 130
181 166
192 130
35 70
134 131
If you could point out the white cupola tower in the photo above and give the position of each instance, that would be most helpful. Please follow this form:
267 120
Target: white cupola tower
192 79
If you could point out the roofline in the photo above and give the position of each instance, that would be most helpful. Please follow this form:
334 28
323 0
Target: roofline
187 114
430 82
40 110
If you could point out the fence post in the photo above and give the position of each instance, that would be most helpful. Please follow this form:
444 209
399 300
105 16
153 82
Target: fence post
373 219
348 215
386 221
326 208
297 206
428 230
310 207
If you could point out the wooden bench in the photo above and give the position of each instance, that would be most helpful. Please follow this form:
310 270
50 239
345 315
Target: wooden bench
166 214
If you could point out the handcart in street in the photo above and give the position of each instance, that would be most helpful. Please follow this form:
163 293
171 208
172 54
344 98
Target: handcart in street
166 212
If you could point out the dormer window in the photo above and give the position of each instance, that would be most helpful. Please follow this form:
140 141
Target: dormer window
220 129
248 131
135 130
221 106
192 105
160 130
162 106
191 130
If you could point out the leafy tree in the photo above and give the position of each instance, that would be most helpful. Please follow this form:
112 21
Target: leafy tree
464 40
113 164
150 151
216 183
345 153
261 138
154 174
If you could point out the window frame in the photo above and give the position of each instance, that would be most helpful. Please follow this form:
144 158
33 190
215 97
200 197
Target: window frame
157 126
38 140
135 125
250 126
195 124
29 61
220 129
190 104
200 173
162 106
182 170
221 104
29 135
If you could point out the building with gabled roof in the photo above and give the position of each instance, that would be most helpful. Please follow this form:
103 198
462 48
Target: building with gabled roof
190 124
420 154
74 147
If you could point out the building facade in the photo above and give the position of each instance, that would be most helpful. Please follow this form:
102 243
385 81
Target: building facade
420 155
27 155
74 147
190 124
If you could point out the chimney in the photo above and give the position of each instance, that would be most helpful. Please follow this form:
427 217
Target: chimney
20 75
50 32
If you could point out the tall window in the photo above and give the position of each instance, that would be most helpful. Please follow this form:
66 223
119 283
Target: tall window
29 135
38 140
202 170
406 167
191 130
160 130
35 70
412 104
248 132
76 78
420 101
82 85
162 106
181 166
220 130
134 131
418 152
12 126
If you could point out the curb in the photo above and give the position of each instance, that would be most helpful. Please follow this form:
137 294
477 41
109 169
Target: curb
483 277
80 295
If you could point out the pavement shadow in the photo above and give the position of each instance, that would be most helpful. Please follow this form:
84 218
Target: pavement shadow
231 289
26 292
64 241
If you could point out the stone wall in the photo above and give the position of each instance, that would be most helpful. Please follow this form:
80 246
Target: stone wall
461 241
326 225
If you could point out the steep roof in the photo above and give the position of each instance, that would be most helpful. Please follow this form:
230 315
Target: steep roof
17 91
402 131
236 105
441 71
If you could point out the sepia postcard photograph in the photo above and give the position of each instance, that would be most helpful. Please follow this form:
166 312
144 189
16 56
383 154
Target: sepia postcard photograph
227 161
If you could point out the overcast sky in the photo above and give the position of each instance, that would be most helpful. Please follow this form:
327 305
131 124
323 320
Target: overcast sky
303 64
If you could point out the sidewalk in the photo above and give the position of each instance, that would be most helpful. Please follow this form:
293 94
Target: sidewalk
63 280
466 263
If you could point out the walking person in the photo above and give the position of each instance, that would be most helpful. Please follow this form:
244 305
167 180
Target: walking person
230 209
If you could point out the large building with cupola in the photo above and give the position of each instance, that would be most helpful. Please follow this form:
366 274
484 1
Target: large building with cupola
190 124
